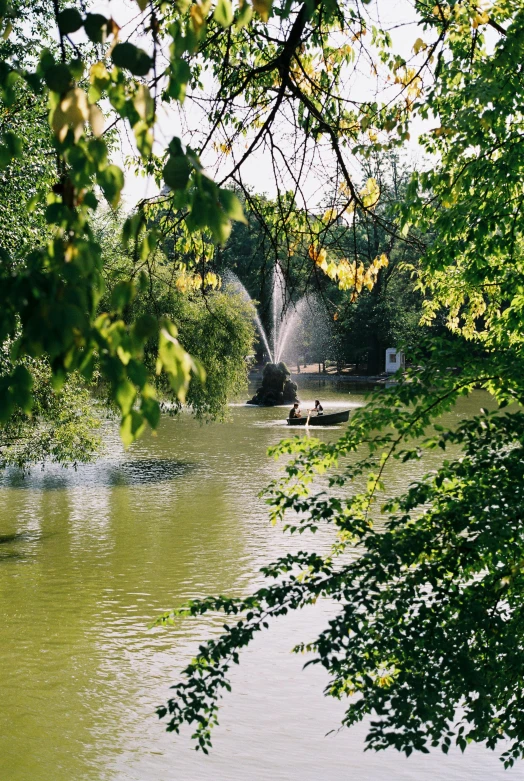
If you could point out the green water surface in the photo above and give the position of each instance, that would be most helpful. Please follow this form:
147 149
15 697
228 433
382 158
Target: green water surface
88 558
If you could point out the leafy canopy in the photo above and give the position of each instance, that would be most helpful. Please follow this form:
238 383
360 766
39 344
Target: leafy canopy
430 611
76 65
428 638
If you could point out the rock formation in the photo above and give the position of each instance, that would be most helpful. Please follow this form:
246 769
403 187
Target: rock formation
276 388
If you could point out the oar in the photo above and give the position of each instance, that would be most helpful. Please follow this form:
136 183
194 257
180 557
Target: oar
308 416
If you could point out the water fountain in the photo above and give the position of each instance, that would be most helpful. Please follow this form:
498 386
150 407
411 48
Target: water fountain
230 278
277 387
285 314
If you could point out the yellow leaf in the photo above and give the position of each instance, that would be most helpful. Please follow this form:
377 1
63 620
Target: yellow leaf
263 8
72 112
441 12
442 131
212 280
96 120
419 45
99 71
313 252
143 103
371 193
332 270
330 215
198 13
481 18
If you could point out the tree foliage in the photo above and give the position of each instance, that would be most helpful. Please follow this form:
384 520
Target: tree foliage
214 324
428 636
62 426
77 62
430 618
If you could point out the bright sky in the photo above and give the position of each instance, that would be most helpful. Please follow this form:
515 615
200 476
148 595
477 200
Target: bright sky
395 15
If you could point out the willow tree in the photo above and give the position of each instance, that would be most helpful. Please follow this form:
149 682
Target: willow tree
430 624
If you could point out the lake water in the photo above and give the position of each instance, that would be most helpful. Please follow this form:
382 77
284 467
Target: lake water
89 558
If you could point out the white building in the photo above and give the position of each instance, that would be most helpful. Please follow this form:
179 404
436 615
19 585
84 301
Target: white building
394 360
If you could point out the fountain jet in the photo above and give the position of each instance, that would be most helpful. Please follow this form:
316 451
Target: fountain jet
231 279
286 315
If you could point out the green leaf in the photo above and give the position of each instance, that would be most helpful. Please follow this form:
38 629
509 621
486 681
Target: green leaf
131 426
223 13
76 67
177 171
127 55
144 139
97 151
69 21
99 79
132 227
177 363
10 148
46 60
244 16
144 103
125 396
122 295
175 147
57 214
96 27
59 78
219 225
22 382
145 327
148 244
137 372
111 180
150 409
232 206
179 76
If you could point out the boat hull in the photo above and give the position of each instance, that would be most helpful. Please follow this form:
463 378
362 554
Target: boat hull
321 420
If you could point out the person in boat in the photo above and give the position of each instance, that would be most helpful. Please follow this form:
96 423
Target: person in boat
319 409
295 412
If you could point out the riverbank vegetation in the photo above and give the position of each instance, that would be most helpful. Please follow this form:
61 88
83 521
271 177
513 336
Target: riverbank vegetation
428 637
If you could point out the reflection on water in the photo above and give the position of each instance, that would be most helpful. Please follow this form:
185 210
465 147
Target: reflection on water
15 537
102 473
93 555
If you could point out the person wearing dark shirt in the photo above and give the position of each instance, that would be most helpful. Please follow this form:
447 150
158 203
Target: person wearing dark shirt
319 409
295 412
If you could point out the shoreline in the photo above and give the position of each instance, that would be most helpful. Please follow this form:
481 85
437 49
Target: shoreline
362 382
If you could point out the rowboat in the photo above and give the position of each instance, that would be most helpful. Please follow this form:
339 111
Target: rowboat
320 420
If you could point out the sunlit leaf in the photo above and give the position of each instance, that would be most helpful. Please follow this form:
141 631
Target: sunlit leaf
232 206
223 13
263 8
71 113
96 120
